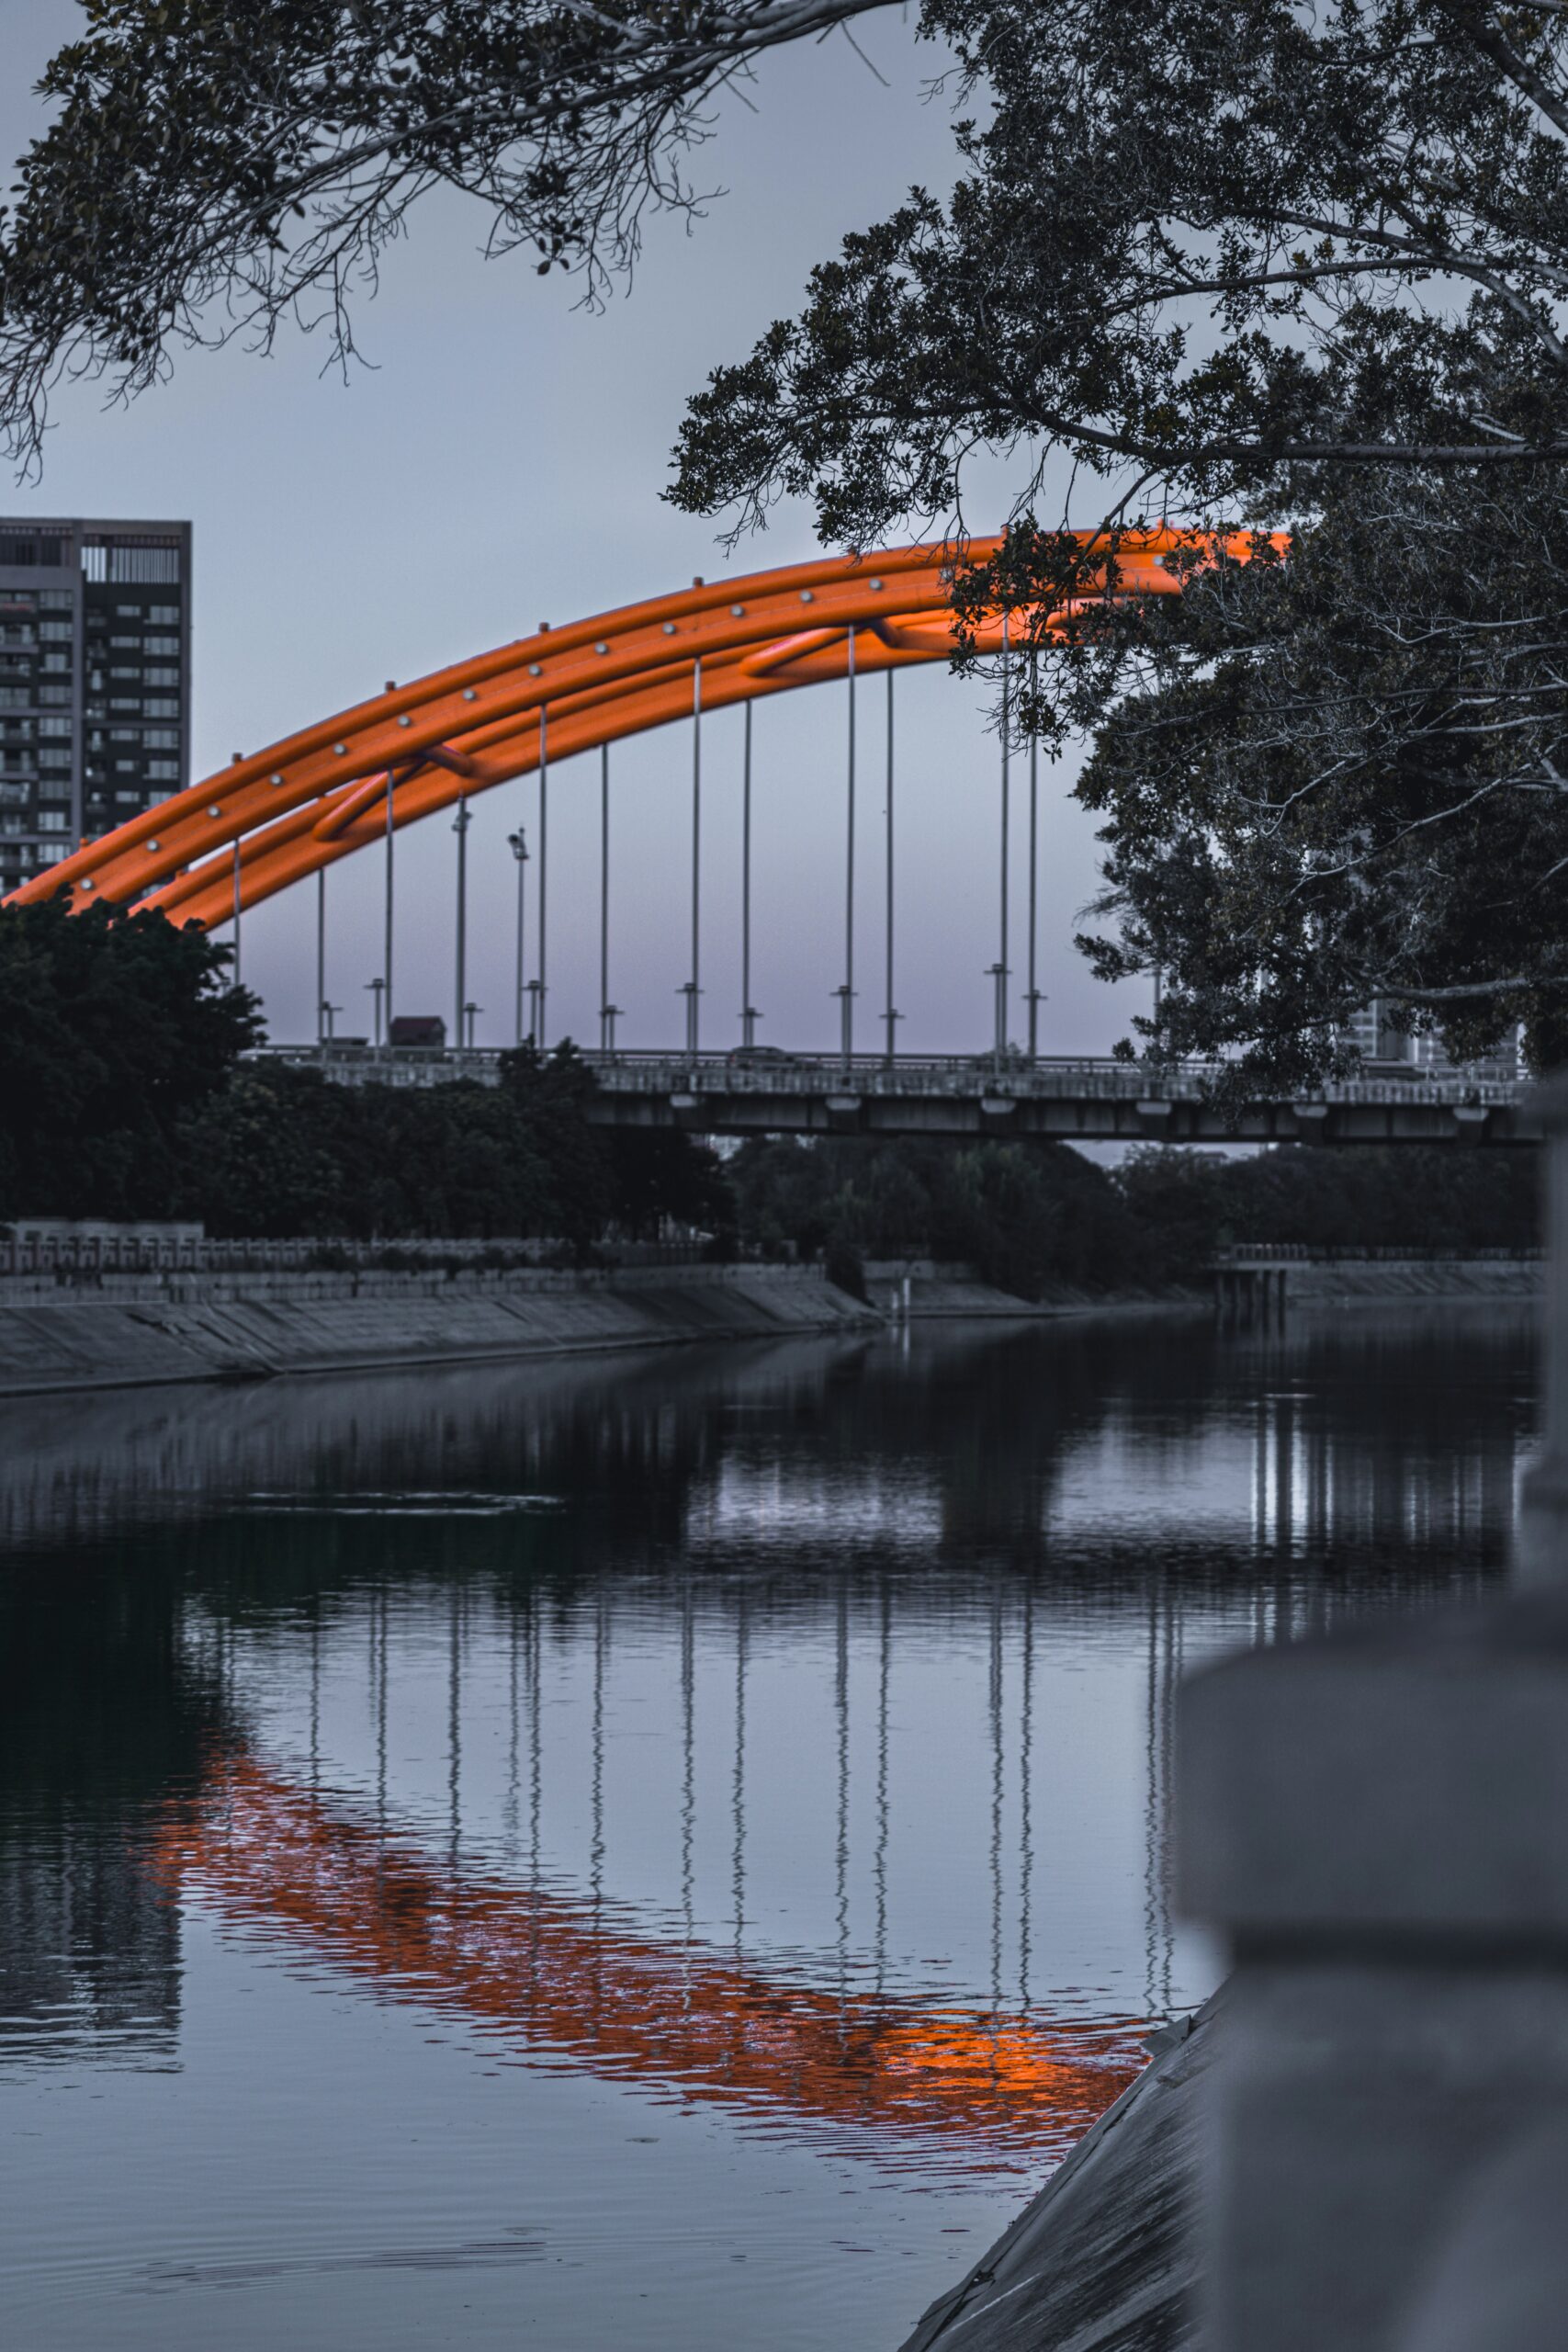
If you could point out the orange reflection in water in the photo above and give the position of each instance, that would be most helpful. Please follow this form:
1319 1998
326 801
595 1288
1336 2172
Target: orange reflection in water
611 2000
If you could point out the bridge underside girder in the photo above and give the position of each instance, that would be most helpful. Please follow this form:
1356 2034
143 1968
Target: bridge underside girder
1058 1119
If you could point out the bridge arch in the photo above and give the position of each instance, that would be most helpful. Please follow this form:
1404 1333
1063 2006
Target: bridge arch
302 804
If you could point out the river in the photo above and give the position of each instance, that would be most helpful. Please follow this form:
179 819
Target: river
662 1850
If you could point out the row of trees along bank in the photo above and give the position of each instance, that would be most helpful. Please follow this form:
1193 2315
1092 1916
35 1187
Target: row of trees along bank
125 1094
1036 1219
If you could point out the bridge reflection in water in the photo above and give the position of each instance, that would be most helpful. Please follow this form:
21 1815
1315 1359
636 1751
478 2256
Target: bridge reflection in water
582 1986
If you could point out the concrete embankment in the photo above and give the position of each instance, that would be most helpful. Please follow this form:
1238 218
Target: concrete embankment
138 1331
919 1290
1103 2258
1350 1281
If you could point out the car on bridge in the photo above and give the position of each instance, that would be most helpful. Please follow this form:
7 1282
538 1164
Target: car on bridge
760 1057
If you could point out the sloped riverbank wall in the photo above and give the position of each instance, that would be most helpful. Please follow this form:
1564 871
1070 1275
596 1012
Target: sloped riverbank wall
138 1331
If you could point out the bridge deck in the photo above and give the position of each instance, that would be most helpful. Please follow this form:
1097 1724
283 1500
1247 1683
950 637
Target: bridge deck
956 1095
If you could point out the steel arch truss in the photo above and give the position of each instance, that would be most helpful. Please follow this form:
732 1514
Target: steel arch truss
302 805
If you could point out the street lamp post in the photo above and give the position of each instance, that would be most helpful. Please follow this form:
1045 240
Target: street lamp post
890 1014
847 993
376 987
321 1024
236 914
470 1014
692 988
387 950
749 1013
460 827
517 843
1001 966
998 972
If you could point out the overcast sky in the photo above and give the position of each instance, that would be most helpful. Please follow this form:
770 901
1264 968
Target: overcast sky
499 461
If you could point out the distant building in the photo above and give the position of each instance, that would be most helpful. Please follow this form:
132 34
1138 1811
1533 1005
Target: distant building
95 681
1371 1032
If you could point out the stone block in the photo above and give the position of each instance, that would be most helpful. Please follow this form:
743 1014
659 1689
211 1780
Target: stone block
1403 1780
1353 2113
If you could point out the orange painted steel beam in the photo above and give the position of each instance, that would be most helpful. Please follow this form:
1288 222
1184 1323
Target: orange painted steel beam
320 794
628 2003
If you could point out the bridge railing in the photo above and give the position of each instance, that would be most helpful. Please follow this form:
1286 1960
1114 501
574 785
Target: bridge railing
1273 1253
1077 1076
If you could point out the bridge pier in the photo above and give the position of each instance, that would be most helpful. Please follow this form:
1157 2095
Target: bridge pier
1246 1293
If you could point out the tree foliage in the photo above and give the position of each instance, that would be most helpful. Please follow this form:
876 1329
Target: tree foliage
281 1153
1025 1218
1199 252
216 167
1343 778
113 1029
1038 1219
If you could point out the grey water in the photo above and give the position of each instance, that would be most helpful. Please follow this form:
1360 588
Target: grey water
664 1850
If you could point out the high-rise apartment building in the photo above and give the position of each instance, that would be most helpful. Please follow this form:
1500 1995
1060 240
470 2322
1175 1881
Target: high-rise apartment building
95 681
1373 1033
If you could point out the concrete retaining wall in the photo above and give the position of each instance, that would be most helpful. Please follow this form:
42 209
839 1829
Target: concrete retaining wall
250 1326
920 1287
1351 1282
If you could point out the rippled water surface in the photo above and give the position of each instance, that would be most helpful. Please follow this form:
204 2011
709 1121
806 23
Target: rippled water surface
666 1850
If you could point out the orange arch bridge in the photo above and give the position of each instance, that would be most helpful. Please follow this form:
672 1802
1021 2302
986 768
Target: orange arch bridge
349 780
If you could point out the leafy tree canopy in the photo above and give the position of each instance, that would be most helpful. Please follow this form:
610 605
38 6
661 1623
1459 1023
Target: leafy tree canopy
1246 268
113 1028
281 1152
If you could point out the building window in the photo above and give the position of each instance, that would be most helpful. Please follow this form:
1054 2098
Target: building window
162 645
162 739
53 821
56 600
156 709
135 562
166 771
30 547
53 759
54 727
56 632
52 852
158 677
